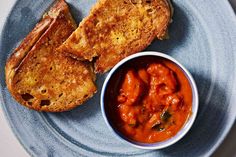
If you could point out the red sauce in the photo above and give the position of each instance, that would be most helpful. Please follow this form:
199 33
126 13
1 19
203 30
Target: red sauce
149 100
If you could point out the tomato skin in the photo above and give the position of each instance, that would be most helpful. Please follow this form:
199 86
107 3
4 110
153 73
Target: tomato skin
131 89
164 75
144 76
153 102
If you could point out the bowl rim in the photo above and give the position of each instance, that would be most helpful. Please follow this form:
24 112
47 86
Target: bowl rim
187 126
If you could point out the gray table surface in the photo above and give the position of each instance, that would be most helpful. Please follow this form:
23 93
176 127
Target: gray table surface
9 146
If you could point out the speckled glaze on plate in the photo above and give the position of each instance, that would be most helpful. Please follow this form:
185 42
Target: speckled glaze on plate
202 38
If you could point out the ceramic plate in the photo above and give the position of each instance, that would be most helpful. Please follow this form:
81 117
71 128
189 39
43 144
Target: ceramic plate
202 38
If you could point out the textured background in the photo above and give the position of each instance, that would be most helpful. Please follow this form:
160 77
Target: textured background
9 146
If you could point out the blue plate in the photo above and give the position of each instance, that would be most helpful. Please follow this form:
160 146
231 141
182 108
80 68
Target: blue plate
202 38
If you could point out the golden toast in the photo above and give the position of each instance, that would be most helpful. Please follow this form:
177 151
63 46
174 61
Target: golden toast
42 79
115 29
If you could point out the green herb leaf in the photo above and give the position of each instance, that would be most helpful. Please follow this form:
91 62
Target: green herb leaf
132 125
165 116
158 127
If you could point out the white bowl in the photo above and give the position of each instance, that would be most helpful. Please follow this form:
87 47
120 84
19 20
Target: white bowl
183 131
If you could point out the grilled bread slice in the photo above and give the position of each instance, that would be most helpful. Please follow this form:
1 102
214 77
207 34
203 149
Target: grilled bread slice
115 29
42 79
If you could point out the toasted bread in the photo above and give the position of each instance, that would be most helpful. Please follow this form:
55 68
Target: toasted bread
115 29
42 79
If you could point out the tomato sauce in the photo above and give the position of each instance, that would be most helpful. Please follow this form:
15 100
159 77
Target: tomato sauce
149 100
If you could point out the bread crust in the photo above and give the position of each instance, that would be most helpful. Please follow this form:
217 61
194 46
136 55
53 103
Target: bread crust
40 78
114 30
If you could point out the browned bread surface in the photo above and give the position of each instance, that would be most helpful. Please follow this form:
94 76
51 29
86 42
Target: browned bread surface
115 29
42 79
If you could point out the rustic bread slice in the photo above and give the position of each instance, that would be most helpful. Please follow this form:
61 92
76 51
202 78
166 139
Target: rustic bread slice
42 79
115 29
